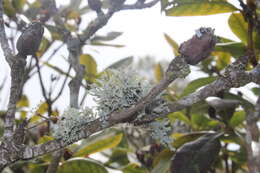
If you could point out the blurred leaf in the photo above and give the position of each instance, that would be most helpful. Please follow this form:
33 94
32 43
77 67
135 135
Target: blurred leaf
106 44
180 140
57 69
18 4
199 7
73 14
223 39
222 58
202 122
238 26
134 168
43 108
23 102
237 118
81 165
256 91
45 44
158 71
179 116
244 102
236 49
196 156
23 114
109 37
162 162
37 168
174 45
90 67
123 63
200 107
197 83
100 145
8 8
45 139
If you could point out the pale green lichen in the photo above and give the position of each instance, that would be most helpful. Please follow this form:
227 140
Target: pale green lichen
71 122
117 90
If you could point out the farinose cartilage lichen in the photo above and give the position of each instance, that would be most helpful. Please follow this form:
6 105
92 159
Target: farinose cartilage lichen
71 122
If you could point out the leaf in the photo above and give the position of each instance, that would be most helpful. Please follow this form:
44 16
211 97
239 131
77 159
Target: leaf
199 7
133 168
45 44
18 4
57 69
196 156
8 8
109 37
162 162
174 45
45 139
236 49
180 116
197 83
200 121
100 145
180 140
23 102
123 63
158 71
90 67
81 165
256 91
237 118
222 58
107 45
238 26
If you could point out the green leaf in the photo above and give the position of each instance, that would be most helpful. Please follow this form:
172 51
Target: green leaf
107 44
180 116
8 8
100 145
238 26
198 155
18 4
256 91
45 44
133 168
158 72
81 166
174 45
123 63
162 162
222 58
109 37
237 118
57 69
45 139
197 83
202 122
90 67
23 102
236 49
180 140
199 7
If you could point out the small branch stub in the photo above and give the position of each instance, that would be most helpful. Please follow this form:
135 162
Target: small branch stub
199 46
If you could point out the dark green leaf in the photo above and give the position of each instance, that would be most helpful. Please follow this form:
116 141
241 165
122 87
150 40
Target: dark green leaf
162 162
81 166
196 156
234 48
256 91
133 168
180 140
197 83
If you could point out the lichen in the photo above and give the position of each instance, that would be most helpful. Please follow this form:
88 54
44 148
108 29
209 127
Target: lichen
117 90
71 122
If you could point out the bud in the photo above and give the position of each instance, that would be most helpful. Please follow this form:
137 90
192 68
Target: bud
199 46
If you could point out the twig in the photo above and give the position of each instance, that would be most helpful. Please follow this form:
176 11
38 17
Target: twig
139 5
